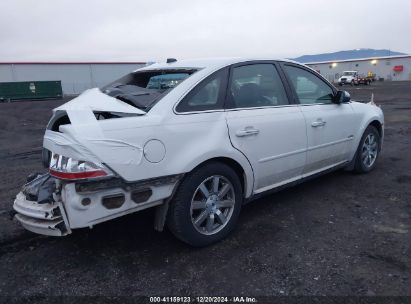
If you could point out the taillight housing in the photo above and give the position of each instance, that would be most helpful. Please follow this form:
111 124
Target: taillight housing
67 168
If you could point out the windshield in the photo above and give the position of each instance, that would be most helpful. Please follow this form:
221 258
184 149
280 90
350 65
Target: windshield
348 73
145 88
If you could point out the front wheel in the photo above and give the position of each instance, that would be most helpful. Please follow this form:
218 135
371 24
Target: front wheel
206 206
368 150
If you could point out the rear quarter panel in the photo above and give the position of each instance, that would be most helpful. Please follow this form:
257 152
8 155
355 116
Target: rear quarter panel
189 140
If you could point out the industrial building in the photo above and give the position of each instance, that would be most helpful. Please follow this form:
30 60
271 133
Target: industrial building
42 79
391 68
75 77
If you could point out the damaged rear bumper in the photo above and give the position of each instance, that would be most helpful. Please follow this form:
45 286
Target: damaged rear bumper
84 204
47 219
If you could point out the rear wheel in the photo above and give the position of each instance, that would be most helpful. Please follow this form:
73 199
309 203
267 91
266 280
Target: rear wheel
368 150
206 206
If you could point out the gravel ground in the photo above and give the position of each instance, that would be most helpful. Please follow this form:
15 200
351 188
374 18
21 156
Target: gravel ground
340 234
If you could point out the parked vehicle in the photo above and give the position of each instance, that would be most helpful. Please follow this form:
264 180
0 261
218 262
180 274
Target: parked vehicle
361 79
348 77
195 140
371 76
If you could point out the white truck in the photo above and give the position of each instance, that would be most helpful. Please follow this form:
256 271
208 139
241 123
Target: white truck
348 77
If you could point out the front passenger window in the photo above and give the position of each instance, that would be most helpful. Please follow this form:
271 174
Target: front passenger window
310 88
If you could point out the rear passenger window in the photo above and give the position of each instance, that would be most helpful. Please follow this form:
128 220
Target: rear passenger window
208 95
257 85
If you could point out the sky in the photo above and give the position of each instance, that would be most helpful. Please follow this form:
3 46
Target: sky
152 30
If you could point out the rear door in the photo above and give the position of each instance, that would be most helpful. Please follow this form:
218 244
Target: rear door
330 126
264 125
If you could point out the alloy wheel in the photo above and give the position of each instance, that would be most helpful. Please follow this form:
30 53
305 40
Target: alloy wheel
212 205
369 150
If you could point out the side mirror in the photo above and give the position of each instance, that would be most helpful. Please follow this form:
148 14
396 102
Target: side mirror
342 97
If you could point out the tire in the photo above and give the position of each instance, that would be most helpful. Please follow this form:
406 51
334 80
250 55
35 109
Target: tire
190 205
368 151
352 83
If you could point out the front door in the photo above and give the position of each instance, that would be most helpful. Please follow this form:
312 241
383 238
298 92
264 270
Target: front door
264 126
330 126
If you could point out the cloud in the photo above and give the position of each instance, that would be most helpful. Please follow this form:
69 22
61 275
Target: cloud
153 30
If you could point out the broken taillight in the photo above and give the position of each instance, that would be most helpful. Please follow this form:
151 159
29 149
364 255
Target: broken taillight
67 168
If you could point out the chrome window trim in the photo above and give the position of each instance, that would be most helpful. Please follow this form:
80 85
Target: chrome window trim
237 109
257 108
321 104
199 112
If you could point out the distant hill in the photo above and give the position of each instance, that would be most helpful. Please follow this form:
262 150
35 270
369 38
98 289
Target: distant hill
346 55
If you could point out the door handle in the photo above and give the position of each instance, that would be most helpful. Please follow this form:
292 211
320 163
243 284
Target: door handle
318 123
247 132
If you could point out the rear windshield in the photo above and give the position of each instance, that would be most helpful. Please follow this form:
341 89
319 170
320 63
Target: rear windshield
144 89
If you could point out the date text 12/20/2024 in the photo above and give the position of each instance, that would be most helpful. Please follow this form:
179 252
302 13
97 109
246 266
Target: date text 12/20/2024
203 299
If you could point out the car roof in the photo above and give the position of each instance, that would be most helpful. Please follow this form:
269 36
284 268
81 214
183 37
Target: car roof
209 63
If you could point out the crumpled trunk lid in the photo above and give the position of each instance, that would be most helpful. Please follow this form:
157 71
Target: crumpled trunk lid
84 138
95 100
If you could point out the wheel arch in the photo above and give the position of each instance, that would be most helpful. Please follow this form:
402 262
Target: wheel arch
241 167
239 170
378 125
354 166
375 122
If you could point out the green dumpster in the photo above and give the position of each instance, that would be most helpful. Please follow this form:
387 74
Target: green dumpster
30 90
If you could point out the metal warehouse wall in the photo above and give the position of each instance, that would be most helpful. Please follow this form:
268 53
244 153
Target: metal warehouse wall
75 77
383 68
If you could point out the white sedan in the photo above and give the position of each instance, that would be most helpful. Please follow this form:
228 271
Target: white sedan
196 140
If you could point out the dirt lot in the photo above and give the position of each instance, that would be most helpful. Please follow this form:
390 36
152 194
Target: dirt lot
340 234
